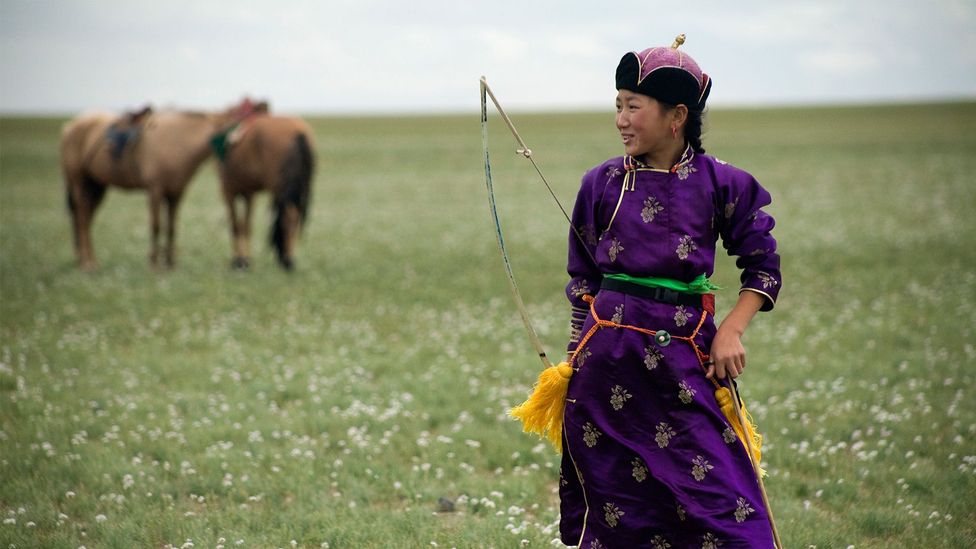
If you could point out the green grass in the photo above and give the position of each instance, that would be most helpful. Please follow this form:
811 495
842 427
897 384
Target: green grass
338 403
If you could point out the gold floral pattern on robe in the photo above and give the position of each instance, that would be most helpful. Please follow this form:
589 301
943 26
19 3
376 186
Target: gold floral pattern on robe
686 393
581 288
581 356
681 316
709 541
685 170
730 208
590 434
700 466
618 314
767 280
639 471
743 510
664 435
612 514
728 435
618 397
615 248
652 207
685 247
652 357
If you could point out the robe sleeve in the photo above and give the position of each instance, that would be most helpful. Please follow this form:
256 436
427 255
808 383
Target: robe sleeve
585 276
746 233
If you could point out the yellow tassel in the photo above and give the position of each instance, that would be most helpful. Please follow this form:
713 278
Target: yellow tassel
542 412
724 398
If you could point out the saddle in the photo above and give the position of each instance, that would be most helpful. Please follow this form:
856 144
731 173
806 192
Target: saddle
126 130
245 114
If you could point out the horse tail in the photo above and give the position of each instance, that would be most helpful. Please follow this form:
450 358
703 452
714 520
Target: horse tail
294 190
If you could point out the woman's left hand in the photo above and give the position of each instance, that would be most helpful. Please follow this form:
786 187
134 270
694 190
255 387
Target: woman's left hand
728 356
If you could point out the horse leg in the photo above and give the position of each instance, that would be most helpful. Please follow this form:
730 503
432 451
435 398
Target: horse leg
84 197
172 206
244 241
155 202
72 193
232 221
239 261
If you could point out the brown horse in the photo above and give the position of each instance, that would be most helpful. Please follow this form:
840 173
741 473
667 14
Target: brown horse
275 154
160 159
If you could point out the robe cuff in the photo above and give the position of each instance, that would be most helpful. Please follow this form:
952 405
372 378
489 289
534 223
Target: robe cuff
768 303
576 327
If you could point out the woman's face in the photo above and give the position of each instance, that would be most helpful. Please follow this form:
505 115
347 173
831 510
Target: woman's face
644 125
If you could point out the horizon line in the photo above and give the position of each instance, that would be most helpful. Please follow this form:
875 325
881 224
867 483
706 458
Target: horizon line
450 111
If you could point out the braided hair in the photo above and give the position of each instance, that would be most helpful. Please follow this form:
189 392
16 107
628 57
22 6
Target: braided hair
693 130
693 127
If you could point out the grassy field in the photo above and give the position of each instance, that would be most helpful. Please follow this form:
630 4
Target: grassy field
360 401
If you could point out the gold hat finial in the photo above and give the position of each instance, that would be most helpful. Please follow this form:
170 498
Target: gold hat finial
678 40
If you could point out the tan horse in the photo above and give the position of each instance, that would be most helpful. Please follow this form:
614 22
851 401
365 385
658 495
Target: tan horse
161 159
274 154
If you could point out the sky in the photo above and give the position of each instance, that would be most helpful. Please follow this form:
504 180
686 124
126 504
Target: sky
426 56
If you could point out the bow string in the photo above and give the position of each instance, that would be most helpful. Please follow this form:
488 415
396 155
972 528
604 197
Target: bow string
526 152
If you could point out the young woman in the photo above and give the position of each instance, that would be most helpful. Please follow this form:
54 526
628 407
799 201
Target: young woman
649 459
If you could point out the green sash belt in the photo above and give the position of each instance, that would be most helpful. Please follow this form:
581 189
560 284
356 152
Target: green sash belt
700 285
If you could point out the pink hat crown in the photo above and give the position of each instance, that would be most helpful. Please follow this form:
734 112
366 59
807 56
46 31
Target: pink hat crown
666 74
660 57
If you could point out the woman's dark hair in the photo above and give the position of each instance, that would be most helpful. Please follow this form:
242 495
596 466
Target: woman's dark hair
693 127
693 130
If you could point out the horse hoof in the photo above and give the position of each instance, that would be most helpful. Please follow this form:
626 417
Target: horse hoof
240 263
288 264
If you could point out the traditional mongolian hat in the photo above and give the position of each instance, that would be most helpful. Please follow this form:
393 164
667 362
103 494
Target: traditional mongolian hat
665 74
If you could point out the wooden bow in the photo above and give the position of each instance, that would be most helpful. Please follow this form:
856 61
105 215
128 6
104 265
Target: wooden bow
527 153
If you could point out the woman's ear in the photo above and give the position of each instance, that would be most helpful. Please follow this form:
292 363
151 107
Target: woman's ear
680 114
